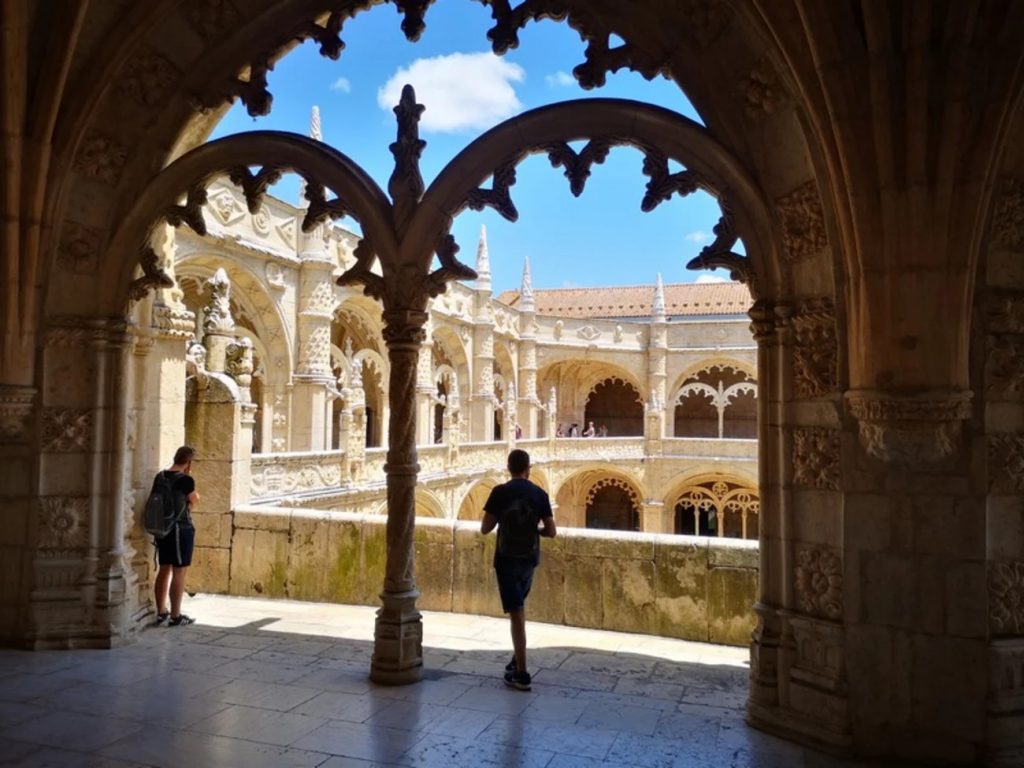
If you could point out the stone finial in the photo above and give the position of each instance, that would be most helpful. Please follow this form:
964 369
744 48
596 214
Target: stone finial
483 262
658 302
217 318
526 302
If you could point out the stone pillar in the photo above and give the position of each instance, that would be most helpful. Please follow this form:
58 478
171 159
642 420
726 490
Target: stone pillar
529 403
310 427
426 391
398 637
481 400
657 354
656 518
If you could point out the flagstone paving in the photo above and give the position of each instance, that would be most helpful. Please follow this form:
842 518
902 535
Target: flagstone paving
284 684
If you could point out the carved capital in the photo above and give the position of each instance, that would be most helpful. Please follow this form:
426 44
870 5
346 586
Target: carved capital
404 328
15 410
912 430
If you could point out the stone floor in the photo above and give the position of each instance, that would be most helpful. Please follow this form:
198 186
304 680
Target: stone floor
280 684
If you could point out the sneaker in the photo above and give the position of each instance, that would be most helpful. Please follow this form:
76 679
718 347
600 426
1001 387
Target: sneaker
511 666
161 619
178 621
518 680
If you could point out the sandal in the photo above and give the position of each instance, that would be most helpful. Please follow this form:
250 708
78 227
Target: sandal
178 621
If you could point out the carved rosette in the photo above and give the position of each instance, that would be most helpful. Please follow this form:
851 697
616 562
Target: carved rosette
1006 597
1008 216
819 582
67 429
1006 463
146 79
816 457
815 349
101 158
762 90
79 247
63 522
15 410
803 223
910 430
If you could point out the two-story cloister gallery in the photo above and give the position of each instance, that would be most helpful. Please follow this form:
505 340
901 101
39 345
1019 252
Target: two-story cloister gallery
823 460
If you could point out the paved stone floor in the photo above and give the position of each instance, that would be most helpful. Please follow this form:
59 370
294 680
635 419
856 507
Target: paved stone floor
280 684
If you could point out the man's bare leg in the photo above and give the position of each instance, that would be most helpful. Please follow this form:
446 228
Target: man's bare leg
177 590
163 580
517 619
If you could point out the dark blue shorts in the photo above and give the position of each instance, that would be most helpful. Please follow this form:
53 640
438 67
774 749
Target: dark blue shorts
515 577
176 547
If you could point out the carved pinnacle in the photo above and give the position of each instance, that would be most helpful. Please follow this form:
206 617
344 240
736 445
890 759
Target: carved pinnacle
406 184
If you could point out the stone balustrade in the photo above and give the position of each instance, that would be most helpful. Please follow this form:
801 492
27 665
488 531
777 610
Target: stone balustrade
675 586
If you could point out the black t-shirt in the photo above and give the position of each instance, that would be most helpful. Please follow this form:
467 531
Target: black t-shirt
183 486
518 488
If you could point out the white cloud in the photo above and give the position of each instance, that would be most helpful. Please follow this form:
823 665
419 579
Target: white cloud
560 79
342 84
698 237
460 91
711 279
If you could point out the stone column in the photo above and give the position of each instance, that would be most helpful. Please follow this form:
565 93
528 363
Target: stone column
398 637
529 403
426 390
657 354
310 429
481 400
656 518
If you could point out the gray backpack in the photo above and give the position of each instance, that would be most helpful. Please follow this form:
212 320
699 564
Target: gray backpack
165 507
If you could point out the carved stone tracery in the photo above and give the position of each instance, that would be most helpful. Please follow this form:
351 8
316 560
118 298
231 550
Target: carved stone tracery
816 457
815 349
803 223
67 429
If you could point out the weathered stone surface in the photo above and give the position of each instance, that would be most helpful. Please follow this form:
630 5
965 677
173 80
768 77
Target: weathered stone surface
209 571
628 591
259 563
435 553
729 605
681 574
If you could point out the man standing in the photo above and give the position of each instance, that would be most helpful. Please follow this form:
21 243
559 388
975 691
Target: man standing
174 551
518 508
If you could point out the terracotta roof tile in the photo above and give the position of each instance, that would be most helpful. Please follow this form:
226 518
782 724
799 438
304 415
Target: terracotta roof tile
681 300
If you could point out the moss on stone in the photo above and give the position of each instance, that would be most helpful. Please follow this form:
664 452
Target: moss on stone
731 593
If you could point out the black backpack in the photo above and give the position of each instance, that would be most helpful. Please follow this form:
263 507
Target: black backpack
518 537
165 507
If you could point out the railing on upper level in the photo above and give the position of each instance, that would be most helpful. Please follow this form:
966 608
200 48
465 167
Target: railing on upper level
276 475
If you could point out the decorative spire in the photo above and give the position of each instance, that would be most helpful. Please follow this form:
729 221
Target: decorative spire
483 262
316 134
658 303
314 124
526 303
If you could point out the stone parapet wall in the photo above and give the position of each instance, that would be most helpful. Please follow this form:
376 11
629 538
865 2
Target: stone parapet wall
676 586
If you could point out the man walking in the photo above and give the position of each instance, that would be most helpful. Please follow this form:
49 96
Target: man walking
174 551
518 509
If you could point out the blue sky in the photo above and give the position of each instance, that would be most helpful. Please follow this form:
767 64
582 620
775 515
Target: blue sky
601 238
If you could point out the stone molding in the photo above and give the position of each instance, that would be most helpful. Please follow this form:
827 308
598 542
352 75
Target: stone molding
911 430
1006 597
16 405
75 331
818 581
816 457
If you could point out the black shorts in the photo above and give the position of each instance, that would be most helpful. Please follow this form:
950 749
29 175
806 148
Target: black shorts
515 577
176 547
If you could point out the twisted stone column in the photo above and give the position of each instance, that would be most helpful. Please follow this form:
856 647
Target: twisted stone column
398 638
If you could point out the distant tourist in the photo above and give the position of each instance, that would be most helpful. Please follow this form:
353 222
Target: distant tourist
589 431
560 432
602 431
518 509
519 432
574 430
169 520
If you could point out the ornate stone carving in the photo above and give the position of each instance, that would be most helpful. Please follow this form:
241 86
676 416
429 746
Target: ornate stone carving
275 275
577 166
1004 367
1003 312
63 522
406 184
153 275
320 301
281 475
225 207
498 196
803 223
1008 215
147 77
662 184
1006 597
218 317
79 247
909 430
15 410
589 333
67 429
73 330
261 221
1006 463
815 349
212 18
101 158
173 323
762 89
238 361
819 582
816 457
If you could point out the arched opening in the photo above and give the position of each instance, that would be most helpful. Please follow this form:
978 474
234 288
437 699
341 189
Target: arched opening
612 505
615 409
717 507
719 401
